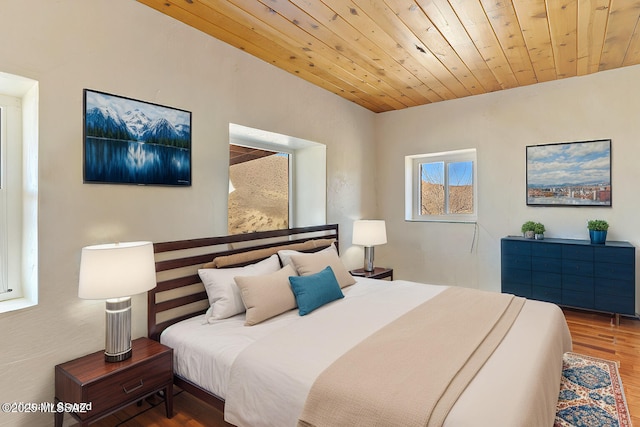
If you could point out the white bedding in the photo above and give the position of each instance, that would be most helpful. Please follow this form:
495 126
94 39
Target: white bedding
268 386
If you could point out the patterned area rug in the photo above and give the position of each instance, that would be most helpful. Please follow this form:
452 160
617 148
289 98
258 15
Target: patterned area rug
591 394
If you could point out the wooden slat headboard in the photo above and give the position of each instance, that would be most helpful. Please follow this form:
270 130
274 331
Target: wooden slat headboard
180 294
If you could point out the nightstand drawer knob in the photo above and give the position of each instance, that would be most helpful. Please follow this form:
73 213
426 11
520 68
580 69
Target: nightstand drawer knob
135 387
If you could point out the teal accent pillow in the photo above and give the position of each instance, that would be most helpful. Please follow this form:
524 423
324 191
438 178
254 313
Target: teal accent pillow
315 290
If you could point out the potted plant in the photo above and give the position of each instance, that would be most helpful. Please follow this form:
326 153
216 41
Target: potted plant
538 230
529 229
597 231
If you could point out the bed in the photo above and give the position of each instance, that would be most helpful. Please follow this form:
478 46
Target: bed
320 369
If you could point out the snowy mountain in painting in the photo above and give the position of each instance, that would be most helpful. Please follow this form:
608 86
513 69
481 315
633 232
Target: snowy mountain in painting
104 122
160 130
137 121
184 130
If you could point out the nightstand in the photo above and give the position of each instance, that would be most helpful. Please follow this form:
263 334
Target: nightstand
101 388
377 273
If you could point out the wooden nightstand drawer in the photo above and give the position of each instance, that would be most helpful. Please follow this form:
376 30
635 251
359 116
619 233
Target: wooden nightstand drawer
109 386
139 380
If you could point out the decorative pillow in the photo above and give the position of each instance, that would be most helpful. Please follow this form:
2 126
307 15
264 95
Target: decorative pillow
256 254
224 295
322 243
267 295
286 254
315 290
307 264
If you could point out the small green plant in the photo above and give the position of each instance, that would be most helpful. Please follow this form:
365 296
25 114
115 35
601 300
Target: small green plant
538 228
597 225
528 226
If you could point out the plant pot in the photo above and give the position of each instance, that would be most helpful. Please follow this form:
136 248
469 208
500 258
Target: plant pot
539 236
529 234
598 237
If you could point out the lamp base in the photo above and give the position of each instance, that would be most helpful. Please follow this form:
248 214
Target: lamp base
368 258
118 333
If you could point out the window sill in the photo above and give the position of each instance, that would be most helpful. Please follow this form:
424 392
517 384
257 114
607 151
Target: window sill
16 304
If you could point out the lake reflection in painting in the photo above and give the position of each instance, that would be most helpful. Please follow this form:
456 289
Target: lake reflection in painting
132 162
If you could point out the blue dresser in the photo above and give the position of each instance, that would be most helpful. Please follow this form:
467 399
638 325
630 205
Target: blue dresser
571 273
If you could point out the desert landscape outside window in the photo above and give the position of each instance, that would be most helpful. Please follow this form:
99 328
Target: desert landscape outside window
258 189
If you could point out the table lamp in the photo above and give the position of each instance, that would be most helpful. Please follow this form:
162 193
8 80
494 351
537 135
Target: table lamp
114 272
369 233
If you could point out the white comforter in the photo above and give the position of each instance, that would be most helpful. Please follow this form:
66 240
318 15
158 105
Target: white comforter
266 384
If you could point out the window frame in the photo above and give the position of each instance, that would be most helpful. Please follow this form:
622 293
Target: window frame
19 207
10 195
413 188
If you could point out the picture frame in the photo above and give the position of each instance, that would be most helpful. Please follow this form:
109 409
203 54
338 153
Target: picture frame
128 141
569 174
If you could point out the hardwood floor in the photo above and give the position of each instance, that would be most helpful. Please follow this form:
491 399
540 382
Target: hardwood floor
593 334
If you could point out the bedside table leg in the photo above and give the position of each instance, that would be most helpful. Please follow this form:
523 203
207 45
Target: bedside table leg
58 417
168 400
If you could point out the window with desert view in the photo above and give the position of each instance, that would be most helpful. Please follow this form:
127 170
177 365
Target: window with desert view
441 186
258 190
453 195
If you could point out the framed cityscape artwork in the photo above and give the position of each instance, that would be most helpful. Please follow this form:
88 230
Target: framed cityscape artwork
569 174
127 141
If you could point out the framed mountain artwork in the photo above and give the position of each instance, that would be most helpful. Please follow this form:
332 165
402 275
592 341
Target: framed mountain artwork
127 141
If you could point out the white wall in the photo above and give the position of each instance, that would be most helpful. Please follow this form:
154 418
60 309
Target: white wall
500 125
125 48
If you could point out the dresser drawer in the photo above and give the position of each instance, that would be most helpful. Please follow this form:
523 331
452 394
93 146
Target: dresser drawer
552 265
577 267
579 252
615 271
542 293
516 261
519 289
622 288
577 299
134 382
514 247
578 283
615 304
516 275
546 279
546 250
609 254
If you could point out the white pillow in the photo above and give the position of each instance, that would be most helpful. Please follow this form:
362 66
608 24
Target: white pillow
224 295
286 254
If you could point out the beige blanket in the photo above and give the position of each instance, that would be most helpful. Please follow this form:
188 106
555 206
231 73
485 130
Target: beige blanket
411 372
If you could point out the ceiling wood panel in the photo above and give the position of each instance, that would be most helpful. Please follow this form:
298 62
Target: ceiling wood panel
392 54
592 23
532 16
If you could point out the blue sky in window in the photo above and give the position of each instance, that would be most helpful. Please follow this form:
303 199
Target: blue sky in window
460 173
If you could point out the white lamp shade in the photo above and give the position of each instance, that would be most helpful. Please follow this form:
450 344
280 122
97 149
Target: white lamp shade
116 270
369 232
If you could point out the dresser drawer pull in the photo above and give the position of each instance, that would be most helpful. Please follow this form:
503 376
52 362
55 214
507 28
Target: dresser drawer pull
138 386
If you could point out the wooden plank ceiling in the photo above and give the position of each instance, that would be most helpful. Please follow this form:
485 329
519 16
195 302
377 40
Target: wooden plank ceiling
391 54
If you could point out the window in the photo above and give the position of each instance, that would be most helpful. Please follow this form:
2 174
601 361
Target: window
275 181
18 192
441 187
